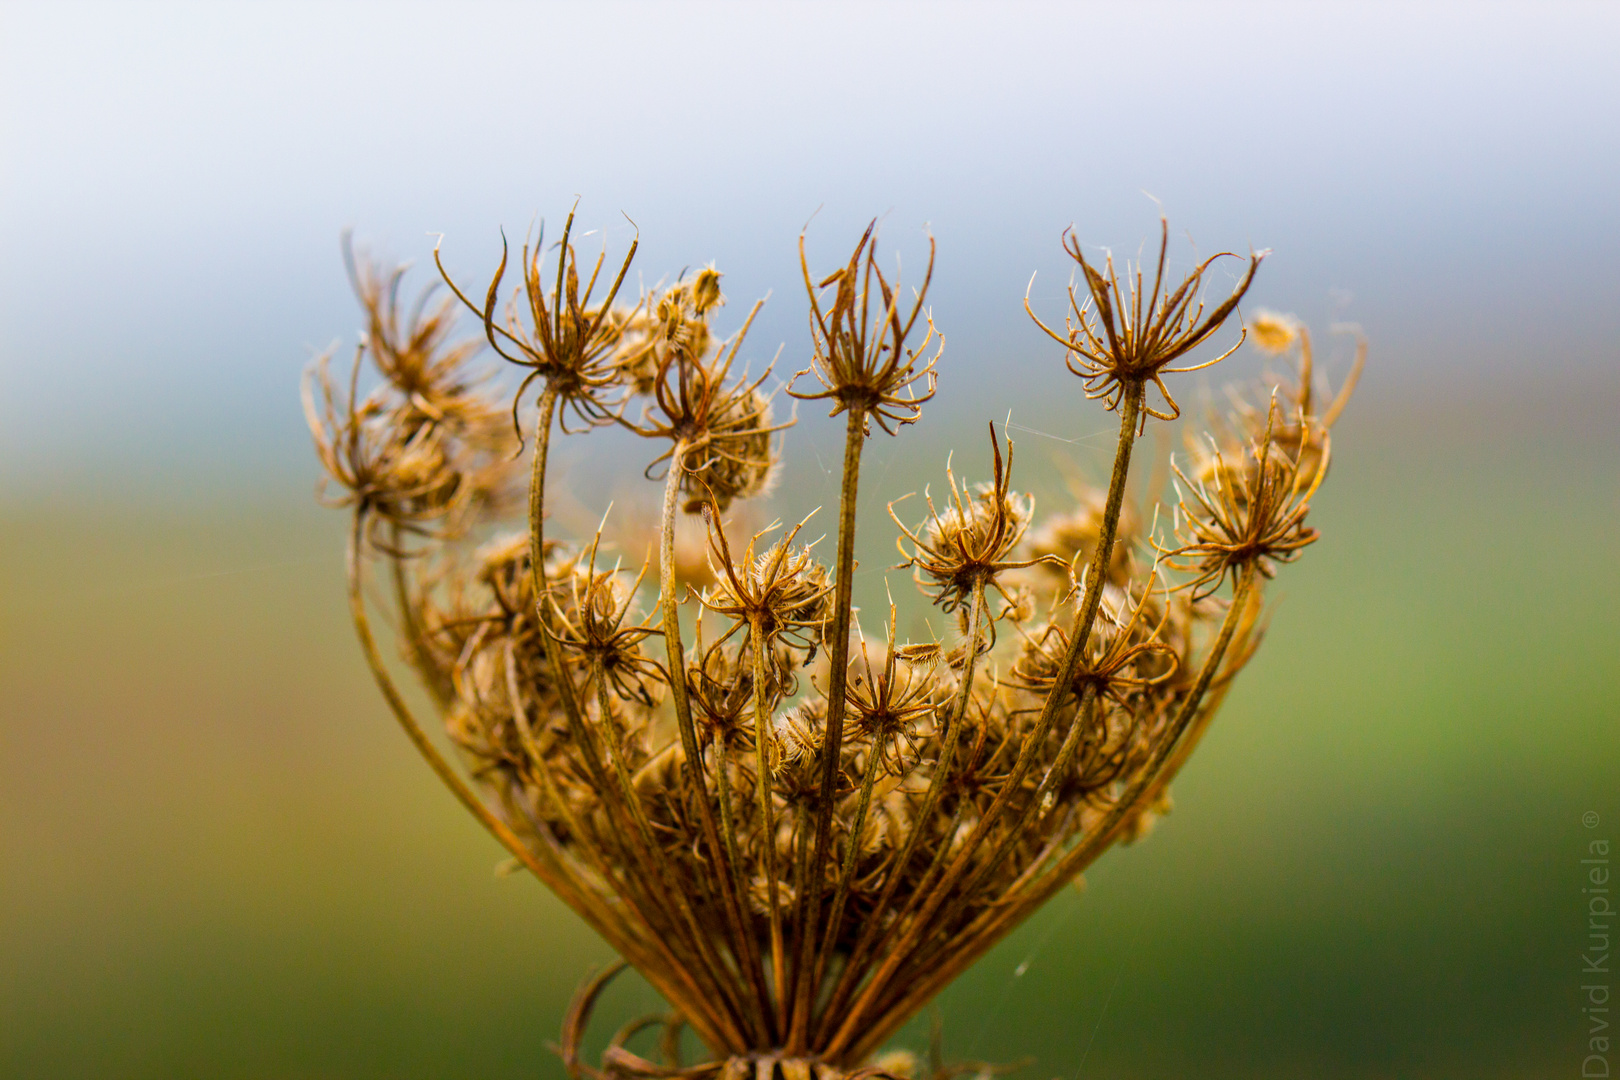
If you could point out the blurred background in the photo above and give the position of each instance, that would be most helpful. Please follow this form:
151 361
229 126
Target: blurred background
218 856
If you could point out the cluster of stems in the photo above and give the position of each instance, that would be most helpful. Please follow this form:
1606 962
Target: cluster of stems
797 834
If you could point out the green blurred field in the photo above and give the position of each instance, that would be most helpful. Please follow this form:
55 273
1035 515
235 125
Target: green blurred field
221 859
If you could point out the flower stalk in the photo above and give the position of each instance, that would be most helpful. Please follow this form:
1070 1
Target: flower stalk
796 837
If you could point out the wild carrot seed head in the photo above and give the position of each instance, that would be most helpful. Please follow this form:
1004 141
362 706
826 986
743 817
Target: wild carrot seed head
860 351
965 547
798 862
1124 335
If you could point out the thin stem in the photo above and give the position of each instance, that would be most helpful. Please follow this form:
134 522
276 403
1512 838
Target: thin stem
718 987
728 833
846 872
743 945
966 948
1097 572
411 625
989 927
767 816
646 956
850 977
396 702
1014 835
1059 768
809 899
1136 798
564 677
540 770
537 573
537 569
567 691
1092 598
553 878
1199 723
803 823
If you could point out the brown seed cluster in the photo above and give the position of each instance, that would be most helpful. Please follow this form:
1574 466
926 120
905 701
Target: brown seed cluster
797 833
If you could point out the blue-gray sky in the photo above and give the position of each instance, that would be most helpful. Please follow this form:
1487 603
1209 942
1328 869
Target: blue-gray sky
173 179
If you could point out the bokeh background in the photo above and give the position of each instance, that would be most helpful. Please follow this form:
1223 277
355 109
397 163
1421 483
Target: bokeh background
218 858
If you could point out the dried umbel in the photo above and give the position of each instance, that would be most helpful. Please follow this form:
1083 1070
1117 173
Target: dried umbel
797 833
968 547
1121 337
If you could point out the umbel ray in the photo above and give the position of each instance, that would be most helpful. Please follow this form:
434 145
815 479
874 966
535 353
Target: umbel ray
799 833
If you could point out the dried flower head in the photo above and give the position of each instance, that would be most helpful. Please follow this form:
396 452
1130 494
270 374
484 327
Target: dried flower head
565 337
1121 337
394 476
860 355
1065 543
1298 429
780 593
721 687
421 449
1122 655
799 836
1247 511
737 459
892 705
587 617
488 642
412 349
963 550
677 321
719 427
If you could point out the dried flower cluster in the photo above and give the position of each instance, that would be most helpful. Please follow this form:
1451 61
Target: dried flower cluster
798 834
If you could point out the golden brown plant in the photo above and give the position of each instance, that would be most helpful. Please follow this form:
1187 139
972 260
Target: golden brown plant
1142 331
800 836
967 549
